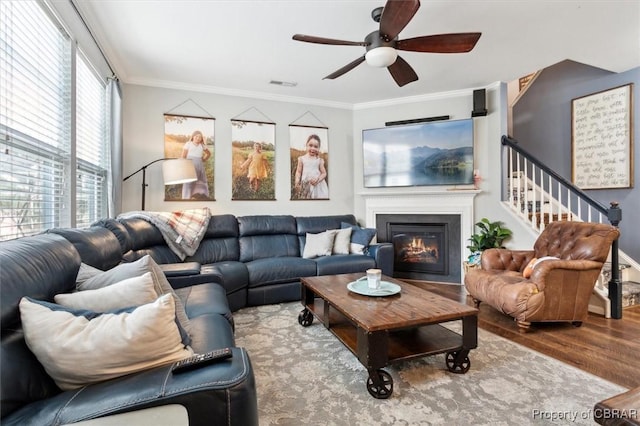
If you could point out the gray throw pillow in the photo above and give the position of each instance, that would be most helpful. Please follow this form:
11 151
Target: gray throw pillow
136 269
85 272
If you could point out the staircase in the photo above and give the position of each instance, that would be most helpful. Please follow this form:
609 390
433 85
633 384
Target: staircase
539 196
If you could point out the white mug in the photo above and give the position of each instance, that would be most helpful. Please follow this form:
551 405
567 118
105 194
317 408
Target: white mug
373 278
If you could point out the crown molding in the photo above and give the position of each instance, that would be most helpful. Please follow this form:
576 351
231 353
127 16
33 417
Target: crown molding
422 98
239 93
306 101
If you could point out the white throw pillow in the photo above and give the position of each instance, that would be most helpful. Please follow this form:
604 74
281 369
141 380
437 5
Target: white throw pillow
134 291
78 348
318 244
528 270
135 269
342 241
542 259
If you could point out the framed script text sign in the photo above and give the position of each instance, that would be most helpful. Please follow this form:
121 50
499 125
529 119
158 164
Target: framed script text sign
602 139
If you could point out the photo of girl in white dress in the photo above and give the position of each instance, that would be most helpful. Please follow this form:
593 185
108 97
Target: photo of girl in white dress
192 138
309 158
196 151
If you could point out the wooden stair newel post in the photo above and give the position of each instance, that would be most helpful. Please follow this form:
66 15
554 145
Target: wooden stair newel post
615 286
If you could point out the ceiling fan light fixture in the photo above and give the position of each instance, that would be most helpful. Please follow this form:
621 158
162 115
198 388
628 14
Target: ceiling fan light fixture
382 43
381 56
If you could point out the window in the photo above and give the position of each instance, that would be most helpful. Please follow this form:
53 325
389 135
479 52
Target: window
91 147
38 151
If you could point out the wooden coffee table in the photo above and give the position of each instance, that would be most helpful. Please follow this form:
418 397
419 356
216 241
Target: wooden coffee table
382 330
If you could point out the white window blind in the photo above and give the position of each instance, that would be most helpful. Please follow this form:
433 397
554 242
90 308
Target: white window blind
35 127
91 146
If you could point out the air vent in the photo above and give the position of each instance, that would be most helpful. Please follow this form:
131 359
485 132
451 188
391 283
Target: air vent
283 83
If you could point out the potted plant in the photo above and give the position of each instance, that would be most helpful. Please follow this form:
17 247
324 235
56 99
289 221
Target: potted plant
490 235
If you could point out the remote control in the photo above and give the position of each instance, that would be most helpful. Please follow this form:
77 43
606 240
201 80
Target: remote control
201 359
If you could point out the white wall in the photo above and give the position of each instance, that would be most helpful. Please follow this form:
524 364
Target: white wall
487 149
143 128
144 141
488 203
457 105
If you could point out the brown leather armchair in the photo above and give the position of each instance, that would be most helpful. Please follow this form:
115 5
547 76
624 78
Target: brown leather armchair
558 289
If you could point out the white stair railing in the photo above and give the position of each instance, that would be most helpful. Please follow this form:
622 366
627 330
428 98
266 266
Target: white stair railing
540 196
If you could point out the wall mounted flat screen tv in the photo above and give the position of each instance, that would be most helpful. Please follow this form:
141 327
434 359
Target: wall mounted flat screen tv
425 154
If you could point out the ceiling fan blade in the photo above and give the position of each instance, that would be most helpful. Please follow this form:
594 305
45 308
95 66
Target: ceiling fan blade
402 72
440 43
322 40
395 16
345 69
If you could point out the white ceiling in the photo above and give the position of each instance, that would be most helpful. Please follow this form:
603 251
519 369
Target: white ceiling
237 47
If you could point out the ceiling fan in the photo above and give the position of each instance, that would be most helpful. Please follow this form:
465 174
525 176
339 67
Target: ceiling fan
382 45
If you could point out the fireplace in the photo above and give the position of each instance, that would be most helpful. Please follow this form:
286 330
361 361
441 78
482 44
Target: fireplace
419 248
427 206
426 246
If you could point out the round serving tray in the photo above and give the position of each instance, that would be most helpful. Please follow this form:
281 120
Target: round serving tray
362 287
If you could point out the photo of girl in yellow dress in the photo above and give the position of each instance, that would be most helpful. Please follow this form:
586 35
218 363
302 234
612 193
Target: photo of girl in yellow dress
258 166
253 156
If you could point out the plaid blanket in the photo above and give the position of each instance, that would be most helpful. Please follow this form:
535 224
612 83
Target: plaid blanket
182 230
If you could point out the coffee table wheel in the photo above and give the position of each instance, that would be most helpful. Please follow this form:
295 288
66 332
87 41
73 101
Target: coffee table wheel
459 367
380 384
305 318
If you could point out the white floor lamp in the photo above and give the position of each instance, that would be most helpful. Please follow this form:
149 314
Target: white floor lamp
174 171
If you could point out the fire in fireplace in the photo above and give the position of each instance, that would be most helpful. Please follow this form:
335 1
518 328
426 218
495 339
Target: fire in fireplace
426 247
422 251
419 248
413 249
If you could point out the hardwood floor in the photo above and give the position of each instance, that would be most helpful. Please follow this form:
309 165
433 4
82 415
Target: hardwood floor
606 348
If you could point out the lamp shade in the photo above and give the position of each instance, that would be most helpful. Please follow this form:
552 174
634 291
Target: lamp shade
381 56
178 170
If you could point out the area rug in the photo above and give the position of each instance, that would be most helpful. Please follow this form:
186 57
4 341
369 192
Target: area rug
305 376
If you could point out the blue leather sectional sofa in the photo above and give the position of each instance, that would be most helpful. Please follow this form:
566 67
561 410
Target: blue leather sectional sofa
241 261
257 259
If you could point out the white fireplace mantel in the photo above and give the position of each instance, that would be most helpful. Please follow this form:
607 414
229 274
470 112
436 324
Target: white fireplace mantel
455 202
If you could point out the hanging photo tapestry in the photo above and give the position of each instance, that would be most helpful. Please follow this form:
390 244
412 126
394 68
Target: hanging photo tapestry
253 160
192 138
309 150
